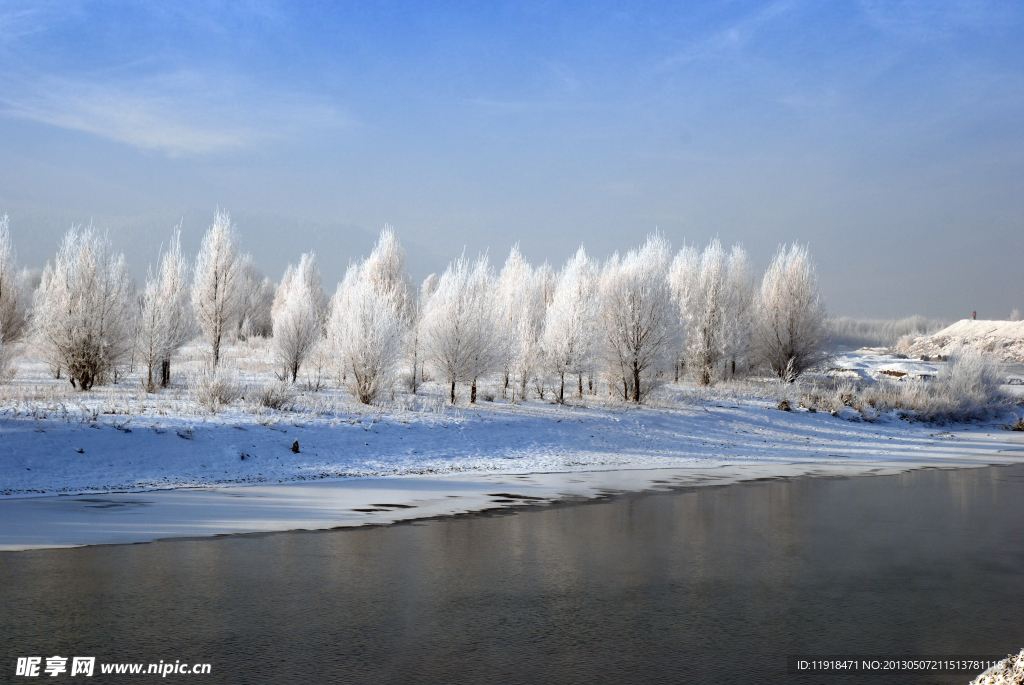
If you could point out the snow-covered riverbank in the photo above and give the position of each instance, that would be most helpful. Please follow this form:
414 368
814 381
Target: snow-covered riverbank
48 456
73 466
118 518
174 477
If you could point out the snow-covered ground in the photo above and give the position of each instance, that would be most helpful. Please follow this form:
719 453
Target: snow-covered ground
119 439
873 365
1001 341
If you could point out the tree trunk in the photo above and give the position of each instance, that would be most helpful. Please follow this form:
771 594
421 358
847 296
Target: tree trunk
165 372
149 378
414 364
581 386
453 392
561 390
472 393
636 385
216 351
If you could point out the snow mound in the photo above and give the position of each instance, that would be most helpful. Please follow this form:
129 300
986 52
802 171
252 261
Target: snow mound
1009 671
1001 341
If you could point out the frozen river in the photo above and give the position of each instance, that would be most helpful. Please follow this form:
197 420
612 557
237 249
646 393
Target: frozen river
701 584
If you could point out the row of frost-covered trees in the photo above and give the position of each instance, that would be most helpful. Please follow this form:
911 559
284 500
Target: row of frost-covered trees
624 325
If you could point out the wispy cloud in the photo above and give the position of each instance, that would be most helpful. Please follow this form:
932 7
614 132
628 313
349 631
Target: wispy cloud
189 88
19 19
934 19
178 114
729 39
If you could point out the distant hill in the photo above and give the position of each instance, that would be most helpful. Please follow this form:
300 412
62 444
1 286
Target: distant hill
1001 341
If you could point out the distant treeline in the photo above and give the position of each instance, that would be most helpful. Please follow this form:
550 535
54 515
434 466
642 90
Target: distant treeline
856 333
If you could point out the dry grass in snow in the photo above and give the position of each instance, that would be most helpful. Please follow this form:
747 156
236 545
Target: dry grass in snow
248 382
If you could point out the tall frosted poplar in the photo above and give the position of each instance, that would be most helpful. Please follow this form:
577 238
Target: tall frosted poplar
298 314
638 318
791 332
570 338
86 315
371 312
166 322
216 290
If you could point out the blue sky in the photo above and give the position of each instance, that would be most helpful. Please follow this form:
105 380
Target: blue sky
888 135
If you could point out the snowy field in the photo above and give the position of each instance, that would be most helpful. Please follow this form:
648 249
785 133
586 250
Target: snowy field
416 454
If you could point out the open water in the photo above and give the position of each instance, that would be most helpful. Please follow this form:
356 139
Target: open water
707 585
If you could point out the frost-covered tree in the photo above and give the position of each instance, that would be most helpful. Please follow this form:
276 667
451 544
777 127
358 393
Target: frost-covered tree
459 328
14 298
384 269
714 293
484 356
165 322
682 279
415 332
547 281
739 314
429 286
411 338
705 323
570 338
791 333
371 313
519 315
85 316
367 331
638 317
255 299
218 282
298 314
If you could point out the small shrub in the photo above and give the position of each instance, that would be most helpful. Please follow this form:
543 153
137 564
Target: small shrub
784 406
7 370
905 342
279 395
971 378
1019 426
965 390
215 390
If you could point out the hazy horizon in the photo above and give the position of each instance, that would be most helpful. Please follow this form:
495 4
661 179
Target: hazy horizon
888 136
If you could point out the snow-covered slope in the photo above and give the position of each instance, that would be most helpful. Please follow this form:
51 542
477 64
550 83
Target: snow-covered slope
1001 341
50 456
